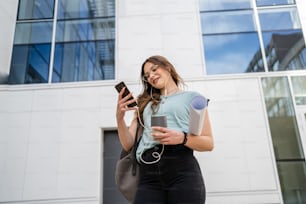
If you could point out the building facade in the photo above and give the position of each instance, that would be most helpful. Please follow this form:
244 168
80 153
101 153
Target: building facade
60 60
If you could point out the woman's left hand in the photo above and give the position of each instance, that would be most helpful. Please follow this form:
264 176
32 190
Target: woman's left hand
166 136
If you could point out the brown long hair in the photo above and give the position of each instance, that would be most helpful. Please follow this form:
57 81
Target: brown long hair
150 93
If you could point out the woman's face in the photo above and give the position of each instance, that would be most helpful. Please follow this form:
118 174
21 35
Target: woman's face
156 75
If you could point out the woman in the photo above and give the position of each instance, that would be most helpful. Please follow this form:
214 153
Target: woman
169 173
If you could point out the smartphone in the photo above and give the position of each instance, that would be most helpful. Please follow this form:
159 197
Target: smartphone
119 87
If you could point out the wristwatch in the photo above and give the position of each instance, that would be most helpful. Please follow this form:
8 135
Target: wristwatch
185 138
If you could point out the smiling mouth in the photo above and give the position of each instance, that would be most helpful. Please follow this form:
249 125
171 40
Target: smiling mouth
155 80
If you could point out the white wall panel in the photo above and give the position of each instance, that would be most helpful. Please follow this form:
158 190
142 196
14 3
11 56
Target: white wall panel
20 101
51 150
168 28
47 100
243 160
14 134
8 13
56 144
138 38
181 42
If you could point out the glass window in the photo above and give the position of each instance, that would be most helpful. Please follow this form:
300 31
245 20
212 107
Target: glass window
233 45
283 37
83 61
283 19
68 9
232 53
31 53
35 9
299 91
84 41
32 67
82 30
85 36
233 25
36 32
274 2
285 50
211 5
84 50
228 22
283 124
286 139
293 181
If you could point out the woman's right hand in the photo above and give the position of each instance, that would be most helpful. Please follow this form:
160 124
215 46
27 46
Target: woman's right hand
122 104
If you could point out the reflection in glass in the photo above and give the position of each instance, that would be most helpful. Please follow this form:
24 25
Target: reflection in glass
232 53
35 9
299 91
283 19
36 32
83 61
211 5
274 2
227 22
84 48
84 41
285 50
283 39
293 181
286 139
68 9
32 67
82 30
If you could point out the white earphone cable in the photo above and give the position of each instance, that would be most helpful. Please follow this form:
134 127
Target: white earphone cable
155 154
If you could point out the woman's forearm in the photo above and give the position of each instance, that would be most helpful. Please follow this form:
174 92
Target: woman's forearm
200 143
126 134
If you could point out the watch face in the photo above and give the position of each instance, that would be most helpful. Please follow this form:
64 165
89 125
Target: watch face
185 138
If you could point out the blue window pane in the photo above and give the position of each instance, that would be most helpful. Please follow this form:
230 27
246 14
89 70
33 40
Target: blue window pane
82 30
32 33
227 22
285 18
234 53
30 64
85 9
212 5
285 50
83 61
274 2
35 9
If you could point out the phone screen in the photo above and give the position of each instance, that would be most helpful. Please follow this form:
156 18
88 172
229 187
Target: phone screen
119 87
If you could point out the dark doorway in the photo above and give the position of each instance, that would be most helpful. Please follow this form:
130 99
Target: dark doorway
112 149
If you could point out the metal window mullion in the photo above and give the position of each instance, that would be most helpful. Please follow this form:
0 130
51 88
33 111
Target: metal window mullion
53 42
259 33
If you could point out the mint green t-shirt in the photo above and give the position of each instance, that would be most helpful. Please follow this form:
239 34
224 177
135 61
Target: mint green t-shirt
176 107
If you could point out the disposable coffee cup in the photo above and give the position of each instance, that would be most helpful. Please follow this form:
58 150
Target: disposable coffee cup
160 120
